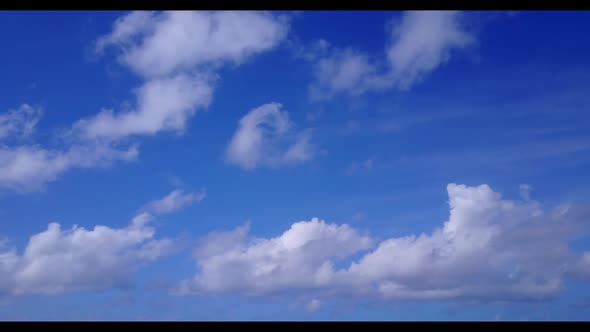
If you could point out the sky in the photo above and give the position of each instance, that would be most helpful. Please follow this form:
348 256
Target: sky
324 165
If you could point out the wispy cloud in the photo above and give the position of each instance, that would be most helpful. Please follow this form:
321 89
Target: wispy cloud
175 200
356 166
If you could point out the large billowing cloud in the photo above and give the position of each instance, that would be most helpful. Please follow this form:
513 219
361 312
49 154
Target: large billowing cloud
489 249
176 54
420 42
299 258
77 259
266 137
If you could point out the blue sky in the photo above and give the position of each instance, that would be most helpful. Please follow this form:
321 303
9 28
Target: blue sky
294 166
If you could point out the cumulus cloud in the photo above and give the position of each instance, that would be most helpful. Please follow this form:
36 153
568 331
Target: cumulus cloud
266 137
175 200
301 257
490 248
176 53
60 260
420 42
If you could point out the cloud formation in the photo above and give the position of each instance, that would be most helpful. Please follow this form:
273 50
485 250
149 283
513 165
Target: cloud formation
420 42
163 104
25 166
149 41
489 249
176 54
423 41
266 137
77 259
298 258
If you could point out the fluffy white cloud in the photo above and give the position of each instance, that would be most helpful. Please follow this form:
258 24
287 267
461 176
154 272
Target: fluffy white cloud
266 137
156 44
489 249
55 260
419 43
63 260
177 52
301 257
19 123
175 200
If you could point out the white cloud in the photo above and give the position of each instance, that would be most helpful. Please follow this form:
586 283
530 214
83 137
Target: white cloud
55 260
77 259
420 42
162 104
157 44
19 123
489 249
125 28
175 200
28 168
346 71
177 54
299 258
266 137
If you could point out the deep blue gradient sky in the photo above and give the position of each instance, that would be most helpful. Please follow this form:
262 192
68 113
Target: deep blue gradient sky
502 100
